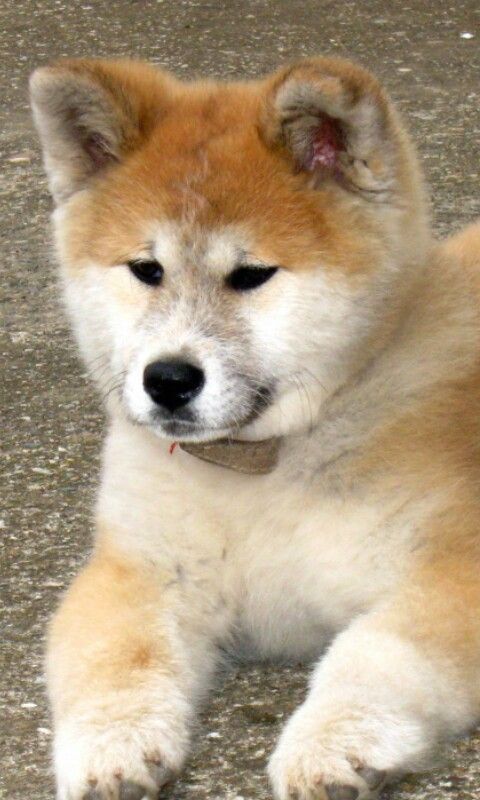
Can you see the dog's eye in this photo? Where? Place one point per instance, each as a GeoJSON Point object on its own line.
{"type": "Point", "coordinates": [244, 278]}
{"type": "Point", "coordinates": [147, 271]}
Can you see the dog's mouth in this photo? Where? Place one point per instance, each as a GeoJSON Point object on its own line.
{"type": "Point", "coordinates": [184, 431]}
{"type": "Point", "coordinates": [185, 426]}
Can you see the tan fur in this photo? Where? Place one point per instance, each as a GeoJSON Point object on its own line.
{"type": "Point", "coordinates": [367, 531]}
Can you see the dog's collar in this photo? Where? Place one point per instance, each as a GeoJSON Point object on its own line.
{"type": "Point", "coordinates": [252, 458]}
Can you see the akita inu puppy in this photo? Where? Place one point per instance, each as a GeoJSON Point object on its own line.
{"type": "Point", "coordinates": [251, 275]}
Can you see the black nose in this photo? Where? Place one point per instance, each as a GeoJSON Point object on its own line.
{"type": "Point", "coordinates": [172, 383]}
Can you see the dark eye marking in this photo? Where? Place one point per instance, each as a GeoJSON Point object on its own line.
{"type": "Point", "coordinates": [242, 279]}
{"type": "Point", "coordinates": [146, 270]}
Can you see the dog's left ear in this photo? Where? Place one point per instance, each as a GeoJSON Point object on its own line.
{"type": "Point", "coordinates": [335, 121]}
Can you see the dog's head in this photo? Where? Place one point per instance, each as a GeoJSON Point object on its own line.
{"type": "Point", "coordinates": [232, 253]}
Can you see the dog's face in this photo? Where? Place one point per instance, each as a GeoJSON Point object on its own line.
{"type": "Point", "coordinates": [231, 253]}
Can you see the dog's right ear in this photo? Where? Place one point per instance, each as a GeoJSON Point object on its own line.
{"type": "Point", "coordinates": [91, 113]}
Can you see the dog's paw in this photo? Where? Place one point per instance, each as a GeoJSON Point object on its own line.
{"type": "Point", "coordinates": [307, 777]}
{"type": "Point", "coordinates": [126, 759]}
{"type": "Point", "coordinates": [331, 761]}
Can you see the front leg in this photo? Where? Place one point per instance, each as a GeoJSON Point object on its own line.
{"type": "Point", "coordinates": [397, 682]}
{"type": "Point", "coordinates": [123, 680]}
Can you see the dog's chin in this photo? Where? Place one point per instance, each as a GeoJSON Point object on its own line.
{"type": "Point", "coordinates": [253, 430]}
{"type": "Point", "coordinates": [187, 431]}
{"type": "Point", "coordinates": [178, 431]}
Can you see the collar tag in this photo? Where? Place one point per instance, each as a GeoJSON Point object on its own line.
{"type": "Point", "coordinates": [251, 458]}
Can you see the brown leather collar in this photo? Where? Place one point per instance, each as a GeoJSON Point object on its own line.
{"type": "Point", "coordinates": [252, 458]}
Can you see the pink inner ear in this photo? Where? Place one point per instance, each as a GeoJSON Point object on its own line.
{"type": "Point", "coordinates": [326, 145]}
{"type": "Point", "coordinates": [97, 149]}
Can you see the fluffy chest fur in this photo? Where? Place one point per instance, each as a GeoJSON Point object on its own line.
{"type": "Point", "coordinates": [284, 559]}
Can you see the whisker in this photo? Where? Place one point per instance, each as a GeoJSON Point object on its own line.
{"type": "Point", "coordinates": [113, 388]}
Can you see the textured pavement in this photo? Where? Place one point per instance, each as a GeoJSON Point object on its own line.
{"type": "Point", "coordinates": [428, 55]}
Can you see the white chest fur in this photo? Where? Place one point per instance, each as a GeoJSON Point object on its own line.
{"type": "Point", "coordinates": [279, 561]}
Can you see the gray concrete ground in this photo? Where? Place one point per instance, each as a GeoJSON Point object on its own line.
{"type": "Point", "coordinates": [427, 52]}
